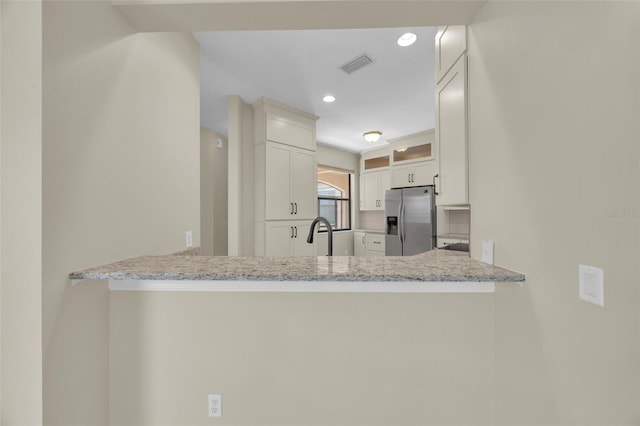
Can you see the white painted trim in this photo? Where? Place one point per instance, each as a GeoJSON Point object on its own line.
{"type": "Point", "coordinates": [303, 286]}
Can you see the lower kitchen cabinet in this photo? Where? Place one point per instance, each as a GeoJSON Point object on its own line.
{"type": "Point", "coordinates": [368, 244]}
{"type": "Point", "coordinates": [359, 243]}
{"type": "Point", "coordinates": [375, 244]}
{"type": "Point", "coordinates": [288, 238]}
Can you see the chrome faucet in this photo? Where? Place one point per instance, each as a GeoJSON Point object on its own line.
{"type": "Point", "coordinates": [329, 229]}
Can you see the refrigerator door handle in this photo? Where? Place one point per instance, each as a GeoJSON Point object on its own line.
{"type": "Point", "coordinates": [401, 223]}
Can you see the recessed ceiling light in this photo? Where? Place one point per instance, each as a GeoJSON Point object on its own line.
{"type": "Point", "coordinates": [407, 39]}
{"type": "Point", "coordinates": [329, 98]}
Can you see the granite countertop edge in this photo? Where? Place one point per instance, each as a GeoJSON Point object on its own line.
{"type": "Point", "coordinates": [434, 266]}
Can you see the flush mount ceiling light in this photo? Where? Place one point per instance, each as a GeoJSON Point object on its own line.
{"type": "Point", "coordinates": [372, 136]}
{"type": "Point", "coordinates": [329, 98]}
{"type": "Point", "coordinates": [407, 39]}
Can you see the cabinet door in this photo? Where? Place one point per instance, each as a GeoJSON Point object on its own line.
{"type": "Point", "coordinates": [290, 132]}
{"type": "Point", "coordinates": [384, 183]}
{"type": "Point", "coordinates": [451, 43]}
{"type": "Point", "coordinates": [370, 191]}
{"type": "Point", "coordinates": [300, 245]}
{"type": "Point", "coordinates": [279, 236]}
{"type": "Point", "coordinates": [361, 192]}
{"type": "Point", "coordinates": [375, 244]}
{"type": "Point", "coordinates": [423, 173]}
{"type": "Point", "coordinates": [401, 176]}
{"type": "Point", "coordinates": [278, 182]}
{"type": "Point", "coordinates": [359, 243]}
{"type": "Point", "coordinates": [451, 134]}
{"type": "Point", "coordinates": [304, 184]}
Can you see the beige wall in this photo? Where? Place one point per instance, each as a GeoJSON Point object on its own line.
{"type": "Point", "coordinates": [302, 359]}
{"type": "Point", "coordinates": [241, 180]}
{"type": "Point", "coordinates": [121, 179]}
{"type": "Point", "coordinates": [21, 212]}
{"type": "Point", "coordinates": [213, 193]}
{"type": "Point", "coordinates": [554, 143]}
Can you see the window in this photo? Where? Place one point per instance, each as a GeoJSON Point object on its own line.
{"type": "Point", "coordinates": [334, 197]}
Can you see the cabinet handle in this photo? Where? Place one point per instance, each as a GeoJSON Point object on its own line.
{"type": "Point", "coordinates": [376, 242]}
{"type": "Point", "coordinates": [409, 178]}
{"type": "Point", "coordinates": [434, 183]}
{"type": "Point", "coordinates": [291, 228]}
{"type": "Point", "coordinates": [295, 206]}
{"type": "Point", "coordinates": [291, 208]}
{"type": "Point", "coordinates": [413, 178]}
{"type": "Point", "coordinates": [296, 231]}
{"type": "Point", "coordinates": [363, 240]}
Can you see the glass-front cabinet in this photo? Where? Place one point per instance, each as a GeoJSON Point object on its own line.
{"type": "Point", "coordinates": [374, 178]}
{"type": "Point", "coordinates": [413, 160]}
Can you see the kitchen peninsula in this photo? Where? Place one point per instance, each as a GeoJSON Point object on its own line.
{"type": "Point", "coordinates": [436, 271]}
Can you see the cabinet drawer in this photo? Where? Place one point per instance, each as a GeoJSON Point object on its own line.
{"type": "Point", "coordinates": [375, 242]}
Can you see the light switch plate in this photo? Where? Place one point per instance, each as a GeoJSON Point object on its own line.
{"type": "Point", "coordinates": [487, 251]}
{"type": "Point", "coordinates": [591, 284]}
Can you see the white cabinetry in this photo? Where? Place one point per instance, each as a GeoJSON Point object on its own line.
{"type": "Point", "coordinates": [451, 120]}
{"type": "Point", "coordinates": [413, 160]}
{"type": "Point", "coordinates": [417, 174]}
{"type": "Point", "coordinates": [359, 243]}
{"type": "Point", "coordinates": [288, 238]}
{"type": "Point", "coordinates": [368, 244]}
{"type": "Point", "coordinates": [451, 44]}
{"type": "Point", "coordinates": [374, 178]}
{"type": "Point", "coordinates": [374, 184]}
{"type": "Point", "coordinates": [291, 188]}
{"type": "Point", "coordinates": [374, 244]}
{"type": "Point", "coordinates": [285, 179]}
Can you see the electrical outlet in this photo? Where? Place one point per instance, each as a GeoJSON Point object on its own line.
{"type": "Point", "coordinates": [189, 236]}
{"type": "Point", "coordinates": [591, 284]}
{"type": "Point", "coordinates": [215, 405]}
{"type": "Point", "coordinates": [487, 251]}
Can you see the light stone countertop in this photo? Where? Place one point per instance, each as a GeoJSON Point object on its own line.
{"type": "Point", "coordinates": [433, 266]}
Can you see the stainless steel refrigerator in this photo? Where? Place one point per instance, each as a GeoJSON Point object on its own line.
{"type": "Point", "coordinates": [410, 218]}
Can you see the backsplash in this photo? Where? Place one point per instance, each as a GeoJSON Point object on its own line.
{"type": "Point", "coordinates": [372, 220]}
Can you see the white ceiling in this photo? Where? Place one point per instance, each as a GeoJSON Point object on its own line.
{"type": "Point", "coordinates": [394, 94]}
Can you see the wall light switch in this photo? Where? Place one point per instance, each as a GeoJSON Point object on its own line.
{"type": "Point", "coordinates": [487, 251]}
{"type": "Point", "coordinates": [591, 284]}
{"type": "Point", "coordinates": [189, 238]}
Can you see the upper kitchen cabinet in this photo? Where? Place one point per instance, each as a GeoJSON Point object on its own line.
{"type": "Point", "coordinates": [452, 184]}
{"type": "Point", "coordinates": [413, 160]}
{"type": "Point", "coordinates": [374, 178]}
{"type": "Point", "coordinates": [373, 186]}
{"type": "Point", "coordinates": [451, 44]}
{"type": "Point", "coordinates": [290, 182]}
{"type": "Point", "coordinates": [280, 123]}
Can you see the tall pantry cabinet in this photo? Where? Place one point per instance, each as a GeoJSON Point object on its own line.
{"type": "Point", "coordinates": [285, 179]}
{"type": "Point", "coordinates": [452, 185]}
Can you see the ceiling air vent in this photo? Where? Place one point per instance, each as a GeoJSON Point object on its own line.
{"type": "Point", "coordinates": [356, 63]}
